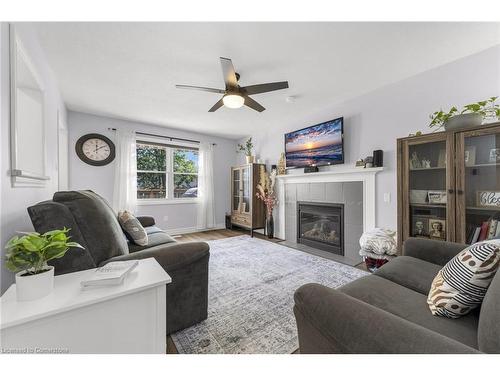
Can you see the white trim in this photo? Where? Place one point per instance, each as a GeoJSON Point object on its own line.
{"type": "Point", "coordinates": [155, 202]}
{"type": "Point", "coordinates": [177, 231]}
{"type": "Point", "coordinates": [342, 174]}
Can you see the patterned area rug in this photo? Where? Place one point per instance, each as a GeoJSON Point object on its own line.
{"type": "Point", "coordinates": [250, 299]}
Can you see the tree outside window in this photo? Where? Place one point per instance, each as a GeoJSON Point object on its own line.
{"type": "Point", "coordinates": [165, 172]}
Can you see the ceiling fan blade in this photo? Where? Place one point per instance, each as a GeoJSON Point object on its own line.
{"type": "Point", "coordinates": [216, 106]}
{"type": "Point", "coordinates": [207, 89]}
{"type": "Point", "coordinates": [228, 73]}
{"type": "Point", "coordinates": [249, 102]}
{"type": "Point", "coordinates": [265, 87]}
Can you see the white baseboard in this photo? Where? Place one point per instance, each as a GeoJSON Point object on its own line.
{"type": "Point", "coordinates": [176, 231]}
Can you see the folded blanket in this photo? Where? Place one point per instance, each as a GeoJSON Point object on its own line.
{"type": "Point", "coordinates": [378, 241]}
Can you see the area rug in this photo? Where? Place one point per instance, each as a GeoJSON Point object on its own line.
{"type": "Point", "coordinates": [250, 298]}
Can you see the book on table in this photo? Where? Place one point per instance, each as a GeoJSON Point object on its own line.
{"type": "Point", "coordinates": [112, 273]}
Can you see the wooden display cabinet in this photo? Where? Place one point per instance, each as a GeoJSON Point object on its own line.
{"type": "Point", "coordinates": [441, 177]}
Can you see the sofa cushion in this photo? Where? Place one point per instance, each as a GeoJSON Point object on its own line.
{"type": "Point", "coordinates": [462, 283]}
{"type": "Point", "coordinates": [156, 237]}
{"type": "Point", "coordinates": [489, 328]}
{"type": "Point", "coordinates": [97, 222]}
{"type": "Point", "coordinates": [410, 272]}
{"type": "Point", "coordinates": [411, 305]}
{"type": "Point", "coordinates": [133, 228]}
{"type": "Point", "coordinates": [49, 215]}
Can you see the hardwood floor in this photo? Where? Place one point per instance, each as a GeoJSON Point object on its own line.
{"type": "Point", "coordinates": [219, 234]}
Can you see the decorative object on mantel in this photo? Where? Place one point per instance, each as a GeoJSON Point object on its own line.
{"type": "Point", "coordinates": [360, 163]}
{"type": "Point", "coordinates": [311, 169]}
{"type": "Point", "coordinates": [378, 158]}
{"type": "Point", "coordinates": [369, 162]}
{"type": "Point", "coordinates": [282, 164]}
{"type": "Point", "coordinates": [247, 149]}
{"type": "Point", "coordinates": [28, 256]}
{"type": "Point", "coordinates": [378, 246]}
{"type": "Point", "coordinates": [266, 193]}
{"type": "Point", "coordinates": [471, 115]}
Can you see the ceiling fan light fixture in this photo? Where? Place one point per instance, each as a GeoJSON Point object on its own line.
{"type": "Point", "coordinates": [233, 100]}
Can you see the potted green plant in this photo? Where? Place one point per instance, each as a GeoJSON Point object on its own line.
{"type": "Point", "coordinates": [28, 256]}
{"type": "Point", "coordinates": [471, 115]}
{"type": "Point", "coordinates": [247, 149]}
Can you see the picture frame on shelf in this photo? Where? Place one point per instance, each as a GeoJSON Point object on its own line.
{"type": "Point", "coordinates": [418, 196]}
{"type": "Point", "coordinates": [437, 229]}
{"type": "Point", "coordinates": [437, 197]}
{"type": "Point", "coordinates": [470, 156]}
{"type": "Point", "coordinates": [488, 199]}
{"type": "Point", "coordinates": [495, 155]}
{"type": "Point", "coordinates": [420, 227]}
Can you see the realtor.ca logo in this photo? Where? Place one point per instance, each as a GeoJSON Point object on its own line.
{"type": "Point", "coordinates": [34, 350]}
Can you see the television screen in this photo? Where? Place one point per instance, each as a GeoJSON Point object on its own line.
{"type": "Point", "coordinates": [316, 145]}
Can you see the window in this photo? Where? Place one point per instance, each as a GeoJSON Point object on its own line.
{"type": "Point", "coordinates": [166, 171]}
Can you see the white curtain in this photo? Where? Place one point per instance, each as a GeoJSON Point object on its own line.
{"type": "Point", "coordinates": [206, 209]}
{"type": "Point", "coordinates": [125, 185]}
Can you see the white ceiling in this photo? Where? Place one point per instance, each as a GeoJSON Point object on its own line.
{"type": "Point", "coordinates": [128, 70]}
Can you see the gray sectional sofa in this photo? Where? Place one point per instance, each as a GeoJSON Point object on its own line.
{"type": "Point", "coordinates": [95, 226]}
{"type": "Point", "coordinates": [387, 312]}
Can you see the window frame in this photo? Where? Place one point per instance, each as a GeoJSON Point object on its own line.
{"type": "Point", "coordinates": [170, 146]}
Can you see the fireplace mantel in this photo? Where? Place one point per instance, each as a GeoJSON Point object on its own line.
{"type": "Point", "coordinates": [336, 174]}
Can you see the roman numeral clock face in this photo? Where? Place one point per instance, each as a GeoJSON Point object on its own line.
{"type": "Point", "coordinates": [95, 149]}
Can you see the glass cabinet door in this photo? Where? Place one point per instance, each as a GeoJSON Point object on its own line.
{"type": "Point", "coordinates": [478, 185]}
{"type": "Point", "coordinates": [236, 196]}
{"type": "Point", "coordinates": [430, 198]}
{"type": "Point", "coordinates": [246, 191]}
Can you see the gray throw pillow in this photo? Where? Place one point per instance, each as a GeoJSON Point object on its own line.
{"type": "Point", "coordinates": [133, 228]}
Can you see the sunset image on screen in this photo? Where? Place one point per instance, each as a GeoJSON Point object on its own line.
{"type": "Point", "coordinates": [317, 145]}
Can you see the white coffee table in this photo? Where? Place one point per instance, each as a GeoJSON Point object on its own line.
{"type": "Point", "coordinates": [128, 318]}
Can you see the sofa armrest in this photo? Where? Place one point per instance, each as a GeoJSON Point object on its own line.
{"type": "Point", "coordinates": [433, 251]}
{"type": "Point", "coordinates": [146, 221]}
{"type": "Point", "coordinates": [171, 256]}
{"type": "Point", "coordinates": [331, 321]}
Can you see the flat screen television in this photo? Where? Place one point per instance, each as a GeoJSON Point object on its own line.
{"type": "Point", "coordinates": [317, 145]}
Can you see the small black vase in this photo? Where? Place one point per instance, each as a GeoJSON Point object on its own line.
{"type": "Point", "coordinates": [270, 226]}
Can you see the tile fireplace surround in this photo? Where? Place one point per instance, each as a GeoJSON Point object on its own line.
{"type": "Point", "coordinates": [351, 186]}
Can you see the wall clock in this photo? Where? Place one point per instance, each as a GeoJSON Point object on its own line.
{"type": "Point", "coordinates": [95, 149]}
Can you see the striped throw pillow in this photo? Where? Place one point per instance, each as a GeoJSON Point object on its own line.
{"type": "Point", "coordinates": [461, 284]}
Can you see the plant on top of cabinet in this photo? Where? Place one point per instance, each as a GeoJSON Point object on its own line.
{"type": "Point", "coordinates": [471, 115]}
{"type": "Point", "coordinates": [247, 149]}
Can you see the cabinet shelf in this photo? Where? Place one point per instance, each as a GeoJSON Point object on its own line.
{"type": "Point", "coordinates": [483, 165]}
{"type": "Point", "coordinates": [427, 169]}
{"type": "Point", "coordinates": [428, 205]}
{"type": "Point", "coordinates": [475, 208]}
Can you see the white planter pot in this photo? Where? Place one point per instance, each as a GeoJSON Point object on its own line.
{"type": "Point", "coordinates": [35, 286]}
{"type": "Point", "coordinates": [463, 121]}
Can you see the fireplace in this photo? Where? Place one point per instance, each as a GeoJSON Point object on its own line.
{"type": "Point", "coordinates": [321, 225]}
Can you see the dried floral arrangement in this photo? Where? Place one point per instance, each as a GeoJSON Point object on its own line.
{"type": "Point", "coordinates": [266, 190]}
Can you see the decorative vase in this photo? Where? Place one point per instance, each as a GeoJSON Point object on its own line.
{"type": "Point", "coordinates": [270, 226]}
{"type": "Point", "coordinates": [30, 287]}
{"type": "Point", "coordinates": [463, 121]}
{"type": "Point", "coordinates": [250, 159]}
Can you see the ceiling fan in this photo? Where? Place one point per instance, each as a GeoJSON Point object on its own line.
{"type": "Point", "coordinates": [235, 96]}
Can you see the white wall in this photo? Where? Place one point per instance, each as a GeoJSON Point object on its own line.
{"type": "Point", "coordinates": [14, 201]}
{"type": "Point", "coordinates": [171, 217]}
{"type": "Point", "coordinates": [375, 120]}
